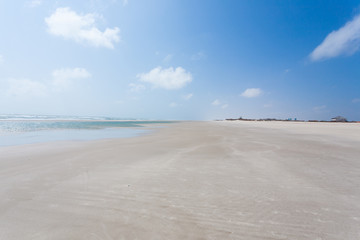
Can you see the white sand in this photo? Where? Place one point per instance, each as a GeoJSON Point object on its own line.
{"type": "Point", "coordinates": [193, 180]}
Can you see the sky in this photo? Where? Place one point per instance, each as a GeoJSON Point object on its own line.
{"type": "Point", "coordinates": [181, 59]}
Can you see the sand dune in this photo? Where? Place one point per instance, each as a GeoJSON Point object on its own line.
{"type": "Point", "coordinates": [191, 180]}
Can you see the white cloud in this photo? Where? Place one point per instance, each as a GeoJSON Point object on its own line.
{"type": "Point", "coordinates": [268, 105]}
{"type": "Point", "coordinates": [345, 41]}
{"type": "Point", "coordinates": [26, 88]}
{"type": "Point", "coordinates": [168, 58]}
{"type": "Point", "coordinates": [61, 79]}
{"type": "Point", "coordinates": [198, 56]}
{"type": "Point", "coordinates": [216, 102]}
{"type": "Point", "coordinates": [34, 3]}
{"type": "Point", "coordinates": [81, 28]}
{"type": "Point", "coordinates": [251, 92]}
{"type": "Point", "coordinates": [136, 87]}
{"type": "Point", "coordinates": [169, 78]}
{"type": "Point", "coordinates": [64, 77]}
{"type": "Point", "coordinates": [173, 104]}
{"type": "Point", "coordinates": [287, 70]}
{"type": "Point", "coordinates": [188, 96]}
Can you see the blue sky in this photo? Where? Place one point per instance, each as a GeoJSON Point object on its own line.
{"type": "Point", "coordinates": [181, 59]}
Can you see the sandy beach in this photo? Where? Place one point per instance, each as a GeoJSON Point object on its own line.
{"type": "Point", "coordinates": [188, 180]}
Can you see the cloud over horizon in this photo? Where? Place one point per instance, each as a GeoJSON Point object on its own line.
{"type": "Point", "coordinates": [218, 103]}
{"type": "Point", "coordinates": [25, 88]}
{"type": "Point", "coordinates": [168, 78]}
{"type": "Point", "coordinates": [64, 77]}
{"type": "Point", "coordinates": [68, 24]}
{"type": "Point", "coordinates": [344, 41]}
{"type": "Point", "coordinates": [251, 93]}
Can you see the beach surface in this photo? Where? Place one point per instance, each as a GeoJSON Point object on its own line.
{"type": "Point", "coordinates": [188, 180]}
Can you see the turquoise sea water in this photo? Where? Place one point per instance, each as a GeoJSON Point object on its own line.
{"type": "Point", "coordinates": [27, 129]}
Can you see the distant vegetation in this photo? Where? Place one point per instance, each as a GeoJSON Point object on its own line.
{"type": "Point", "coordinates": [334, 119]}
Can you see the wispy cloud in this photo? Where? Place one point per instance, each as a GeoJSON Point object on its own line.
{"type": "Point", "coordinates": [173, 104]}
{"type": "Point", "coordinates": [81, 28]}
{"type": "Point", "coordinates": [224, 106]}
{"type": "Point", "coordinates": [168, 58]}
{"type": "Point", "coordinates": [216, 102]}
{"type": "Point", "coordinates": [198, 56]}
{"type": "Point", "coordinates": [344, 41]}
{"type": "Point", "coordinates": [63, 78]}
{"type": "Point", "coordinates": [268, 105]}
{"type": "Point", "coordinates": [125, 2]}
{"type": "Point", "coordinates": [134, 87]}
{"type": "Point", "coordinates": [26, 88]}
{"type": "Point", "coordinates": [168, 78]}
{"type": "Point", "coordinates": [33, 3]}
{"type": "Point", "coordinates": [356, 100]}
{"type": "Point", "coordinates": [188, 96]}
{"type": "Point", "coordinates": [251, 93]}
{"type": "Point", "coordinates": [287, 70]}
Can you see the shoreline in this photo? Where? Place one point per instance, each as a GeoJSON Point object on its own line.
{"type": "Point", "coordinates": [191, 180]}
{"type": "Point", "coordinates": [13, 133]}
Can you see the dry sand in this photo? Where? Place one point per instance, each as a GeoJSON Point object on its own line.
{"type": "Point", "coordinates": [192, 180]}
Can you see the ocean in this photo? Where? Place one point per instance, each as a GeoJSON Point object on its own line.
{"type": "Point", "coordinates": [28, 129]}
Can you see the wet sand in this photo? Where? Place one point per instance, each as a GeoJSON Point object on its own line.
{"type": "Point", "coordinates": [191, 180]}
